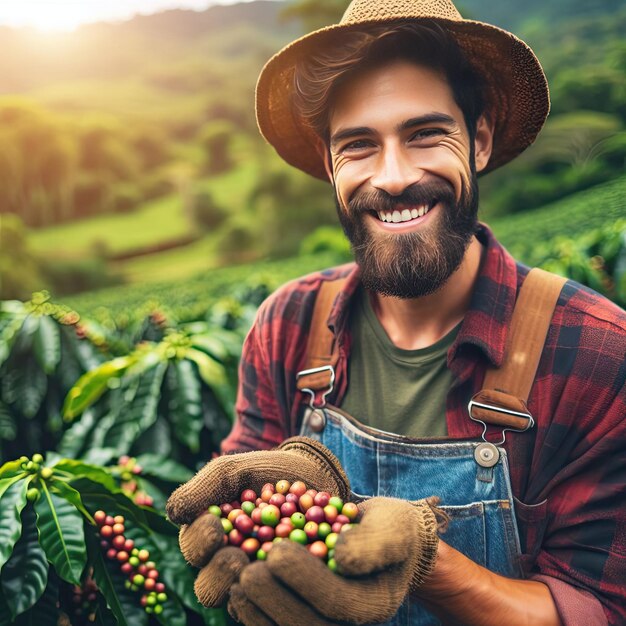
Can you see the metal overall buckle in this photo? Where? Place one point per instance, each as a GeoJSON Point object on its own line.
{"type": "Point", "coordinates": [487, 454]}
{"type": "Point", "coordinates": [311, 392]}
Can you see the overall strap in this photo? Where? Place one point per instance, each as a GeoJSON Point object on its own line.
{"type": "Point", "coordinates": [504, 396]}
{"type": "Point", "coordinates": [321, 350]}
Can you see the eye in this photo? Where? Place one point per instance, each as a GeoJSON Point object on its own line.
{"type": "Point", "coordinates": [426, 134]}
{"type": "Point", "coordinates": [358, 145]}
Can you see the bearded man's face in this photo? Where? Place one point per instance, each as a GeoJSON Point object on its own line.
{"type": "Point", "coordinates": [402, 164]}
{"type": "Point", "coordinates": [417, 262]}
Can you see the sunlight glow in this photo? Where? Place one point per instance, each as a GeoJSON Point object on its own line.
{"type": "Point", "coordinates": [67, 15]}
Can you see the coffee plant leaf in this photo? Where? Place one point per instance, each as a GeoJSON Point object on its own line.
{"type": "Point", "coordinates": [25, 575]}
{"type": "Point", "coordinates": [10, 325]}
{"type": "Point", "coordinates": [173, 613]}
{"type": "Point", "coordinates": [12, 468]}
{"type": "Point", "coordinates": [91, 385]}
{"type": "Point", "coordinates": [31, 388]}
{"type": "Point", "coordinates": [214, 375]}
{"type": "Point", "coordinates": [70, 494]}
{"type": "Point", "coordinates": [185, 403]}
{"type": "Point", "coordinates": [8, 426]}
{"type": "Point", "coordinates": [12, 502]}
{"type": "Point", "coordinates": [164, 469]}
{"type": "Point", "coordinates": [139, 412]}
{"type": "Point", "coordinates": [45, 611]}
{"type": "Point", "coordinates": [47, 344]}
{"type": "Point", "coordinates": [123, 604]}
{"type": "Point", "coordinates": [61, 534]}
{"type": "Point", "coordinates": [79, 469]}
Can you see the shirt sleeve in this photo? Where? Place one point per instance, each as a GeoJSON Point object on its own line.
{"type": "Point", "coordinates": [583, 554]}
{"type": "Point", "coordinates": [259, 424]}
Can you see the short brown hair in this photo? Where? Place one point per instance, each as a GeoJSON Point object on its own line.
{"type": "Point", "coordinates": [425, 43]}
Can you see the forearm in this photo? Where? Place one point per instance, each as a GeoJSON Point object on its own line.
{"type": "Point", "coordinates": [461, 592]}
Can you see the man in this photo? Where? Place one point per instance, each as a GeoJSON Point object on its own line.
{"type": "Point", "coordinates": [401, 106]}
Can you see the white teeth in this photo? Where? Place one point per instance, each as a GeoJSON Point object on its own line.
{"type": "Point", "coordinates": [404, 216]}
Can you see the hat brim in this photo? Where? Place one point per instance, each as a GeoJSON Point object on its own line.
{"type": "Point", "coordinates": [516, 91]}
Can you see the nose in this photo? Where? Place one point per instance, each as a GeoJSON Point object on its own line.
{"type": "Point", "coordinates": [395, 171]}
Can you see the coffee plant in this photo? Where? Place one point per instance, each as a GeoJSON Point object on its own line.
{"type": "Point", "coordinates": [76, 549]}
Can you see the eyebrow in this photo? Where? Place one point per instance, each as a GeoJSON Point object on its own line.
{"type": "Point", "coordinates": [359, 131]}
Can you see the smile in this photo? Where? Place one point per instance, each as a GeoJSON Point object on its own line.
{"type": "Point", "coordinates": [405, 215]}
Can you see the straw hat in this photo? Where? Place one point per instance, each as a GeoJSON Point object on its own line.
{"type": "Point", "coordinates": [516, 91]}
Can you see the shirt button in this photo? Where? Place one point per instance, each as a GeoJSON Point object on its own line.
{"type": "Point", "coordinates": [317, 421]}
{"type": "Point", "coordinates": [486, 454]}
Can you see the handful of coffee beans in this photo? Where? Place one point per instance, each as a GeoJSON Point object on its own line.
{"type": "Point", "coordinates": [286, 511]}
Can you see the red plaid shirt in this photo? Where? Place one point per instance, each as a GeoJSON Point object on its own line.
{"type": "Point", "coordinates": [568, 473]}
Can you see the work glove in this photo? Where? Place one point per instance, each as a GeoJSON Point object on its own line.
{"type": "Point", "coordinates": [201, 537]}
{"type": "Point", "coordinates": [384, 557]}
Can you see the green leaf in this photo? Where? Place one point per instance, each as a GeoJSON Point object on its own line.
{"type": "Point", "coordinates": [173, 613]}
{"type": "Point", "coordinates": [45, 612]}
{"type": "Point", "coordinates": [214, 375]}
{"type": "Point", "coordinates": [31, 387]}
{"type": "Point", "coordinates": [165, 469]}
{"type": "Point", "coordinates": [185, 404]}
{"type": "Point", "coordinates": [91, 385]}
{"type": "Point", "coordinates": [25, 575]}
{"type": "Point", "coordinates": [71, 495]}
{"type": "Point", "coordinates": [11, 468]}
{"type": "Point", "coordinates": [61, 534]}
{"type": "Point", "coordinates": [9, 333]}
{"type": "Point", "coordinates": [138, 415]}
{"type": "Point", "coordinates": [47, 344]}
{"type": "Point", "coordinates": [12, 501]}
{"type": "Point", "coordinates": [79, 469]}
{"type": "Point", "coordinates": [122, 603]}
{"type": "Point", "coordinates": [8, 427]}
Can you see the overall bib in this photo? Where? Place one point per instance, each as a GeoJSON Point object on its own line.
{"type": "Point", "coordinates": [471, 478]}
{"type": "Point", "coordinates": [478, 499]}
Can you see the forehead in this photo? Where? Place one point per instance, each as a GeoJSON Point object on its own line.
{"type": "Point", "coordinates": [394, 91]}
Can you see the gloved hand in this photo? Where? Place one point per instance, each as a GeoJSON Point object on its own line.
{"type": "Point", "coordinates": [222, 480]}
{"type": "Point", "coordinates": [384, 557]}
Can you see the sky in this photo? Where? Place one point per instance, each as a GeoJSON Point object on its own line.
{"type": "Point", "coordinates": [66, 15]}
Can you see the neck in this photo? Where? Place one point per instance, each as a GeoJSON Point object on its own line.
{"type": "Point", "coordinates": [417, 323]}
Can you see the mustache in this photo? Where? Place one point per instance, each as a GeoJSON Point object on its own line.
{"type": "Point", "coordinates": [416, 194]}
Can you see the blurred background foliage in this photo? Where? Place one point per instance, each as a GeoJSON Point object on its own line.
{"type": "Point", "coordinates": [129, 152]}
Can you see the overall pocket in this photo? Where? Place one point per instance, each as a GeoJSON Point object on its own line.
{"type": "Point", "coordinates": [532, 520]}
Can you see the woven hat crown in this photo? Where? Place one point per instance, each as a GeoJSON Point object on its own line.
{"type": "Point", "coordinates": [360, 11]}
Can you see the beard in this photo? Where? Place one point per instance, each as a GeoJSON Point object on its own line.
{"type": "Point", "coordinates": [414, 264]}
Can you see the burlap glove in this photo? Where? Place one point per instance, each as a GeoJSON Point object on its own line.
{"type": "Point", "coordinates": [384, 557]}
{"type": "Point", "coordinates": [222, 480]}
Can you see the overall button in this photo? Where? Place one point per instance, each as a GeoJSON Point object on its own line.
{"type": "Point", "coordinates": [317, 421]}
{"type": "Point", "coordinates": [486, 454]}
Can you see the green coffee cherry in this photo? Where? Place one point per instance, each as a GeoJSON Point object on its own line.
{"type": "Point", "coordinates": [46, 473]}
{"type": "Point", "coordinates": [37, 458]}
{"type": "Point", "coordinates": [32, 495]}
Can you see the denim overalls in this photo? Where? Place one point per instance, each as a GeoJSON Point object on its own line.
{"type": "Point", "coordinates": [477, 498]}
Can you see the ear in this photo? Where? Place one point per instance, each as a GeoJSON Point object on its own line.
{"type": "Point", "coordinates": [324, 152]}
{"type": "Point", "coordinates": [483, 142]}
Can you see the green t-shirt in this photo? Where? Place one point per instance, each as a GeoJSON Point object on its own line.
{"type": "Point", "coordinates": [395, 390]}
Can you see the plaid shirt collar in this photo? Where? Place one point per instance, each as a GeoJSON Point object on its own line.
{"type": "Point", "coordinates": [486, 322]}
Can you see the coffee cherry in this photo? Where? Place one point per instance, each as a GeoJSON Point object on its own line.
{"type": "Point", "coordinates": [288, 509]}
{"type": "Point", "coordinates": [311, 530]}
{"type": "Point", "coordinates": [248, 495]}
{"type": "Point", "coordinates": [306, 502]}
{"type": "Point", "coordinates": [118, 542]}
{"type": "Point", "coordinates": [138, 580]}
{"type": "Point", "coordinates": [37, 458]}
{"type": "Point", "coordinates": [256, 515]}
{"type": "Point", "coordinates": [109, 520]}
{"type": "Point", "coordinates": [270, 515]}
{"type": "Point", "coordinates": [129, 544]}
{"type": "Point", "coordinates": [336, 527]}
{"type": "Point", "coordinates": [265, 533]}
{"type": "Point", "coordinates": [215, 510]}
{"type": "Point", "coordinates": [337, 503]}
{"type": "Point", "coordinates": [106, 531]}
{"type": "Point", "coordinates": [266, 495]}
{"type": "Point", "coordinates": [278, 499]}
{"type": "Point", "coordinates": [159, 588]}
{"type": "Point", "coordinates": [331, 540]}
{"type": "Point", "coordinates": [330, 513]}
{"type": "Point", "coordinates": [247, 507]}
{"type": "Point", "coordinates": [299, 520]}
{"type": "Point", "coordinates": [298, 535]}
{"type": "Point", "coordinates": [268, 487]}
{"type": "Point", "coordinates": [122, 556]}
{"type": "Point", "coordinates": [322, 498]}
{"type": "Point", "coordinates": [234, 514]}
{"type": "Point", "coordinates": [32, 495]}
{"type": "Point", "coordinates": [46, 473]}
{"type": "Point", "coordinates": [126, 568]}
{"type": "Point", "coordinates": [143, 555]}
{"type": "Point", "coordinates": [319, 549]}
{"type": "Point", "coordinates": [244, 524]}
{"type": "Point", "coordinates": [283, 486]}
{"type": "Point", "coordinates": [153, 573]}
{"type": "Point", "coordinates": [99, 517]}
{"type": "Point", "coordinates": [315, 514]}
{"type": "Point", "coordinates": [342, 519]}
{"type": "Point", "coordinates": [298, 488]}
{"type": "Point", "coordinates": [226, 509]}
{"type": "Point", "coordinates": [323, 530]}
{"type": "Point", "coordinates": [161, 597]}
{"type": "Point", "coordinates": [292, 497]}
{"type": "Point", "coordinates": [250, 546]}
{"type": "Point", "coordinates": [227, 525]}
{"type": "Point", "coordinates": [283, 530]}
{"type": "Point", "coordinates": [111, 553]}
{"type": "Point", "coordinates": [134, 561]}
{"type": "Point", "coordinates": [312, 493]}
{"type": "Point", "coordinates": [235, 537]}
{"type": "Point", "coordinates": [118, 529]}
{"type": "Point", "coordinates": [350, 510]}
